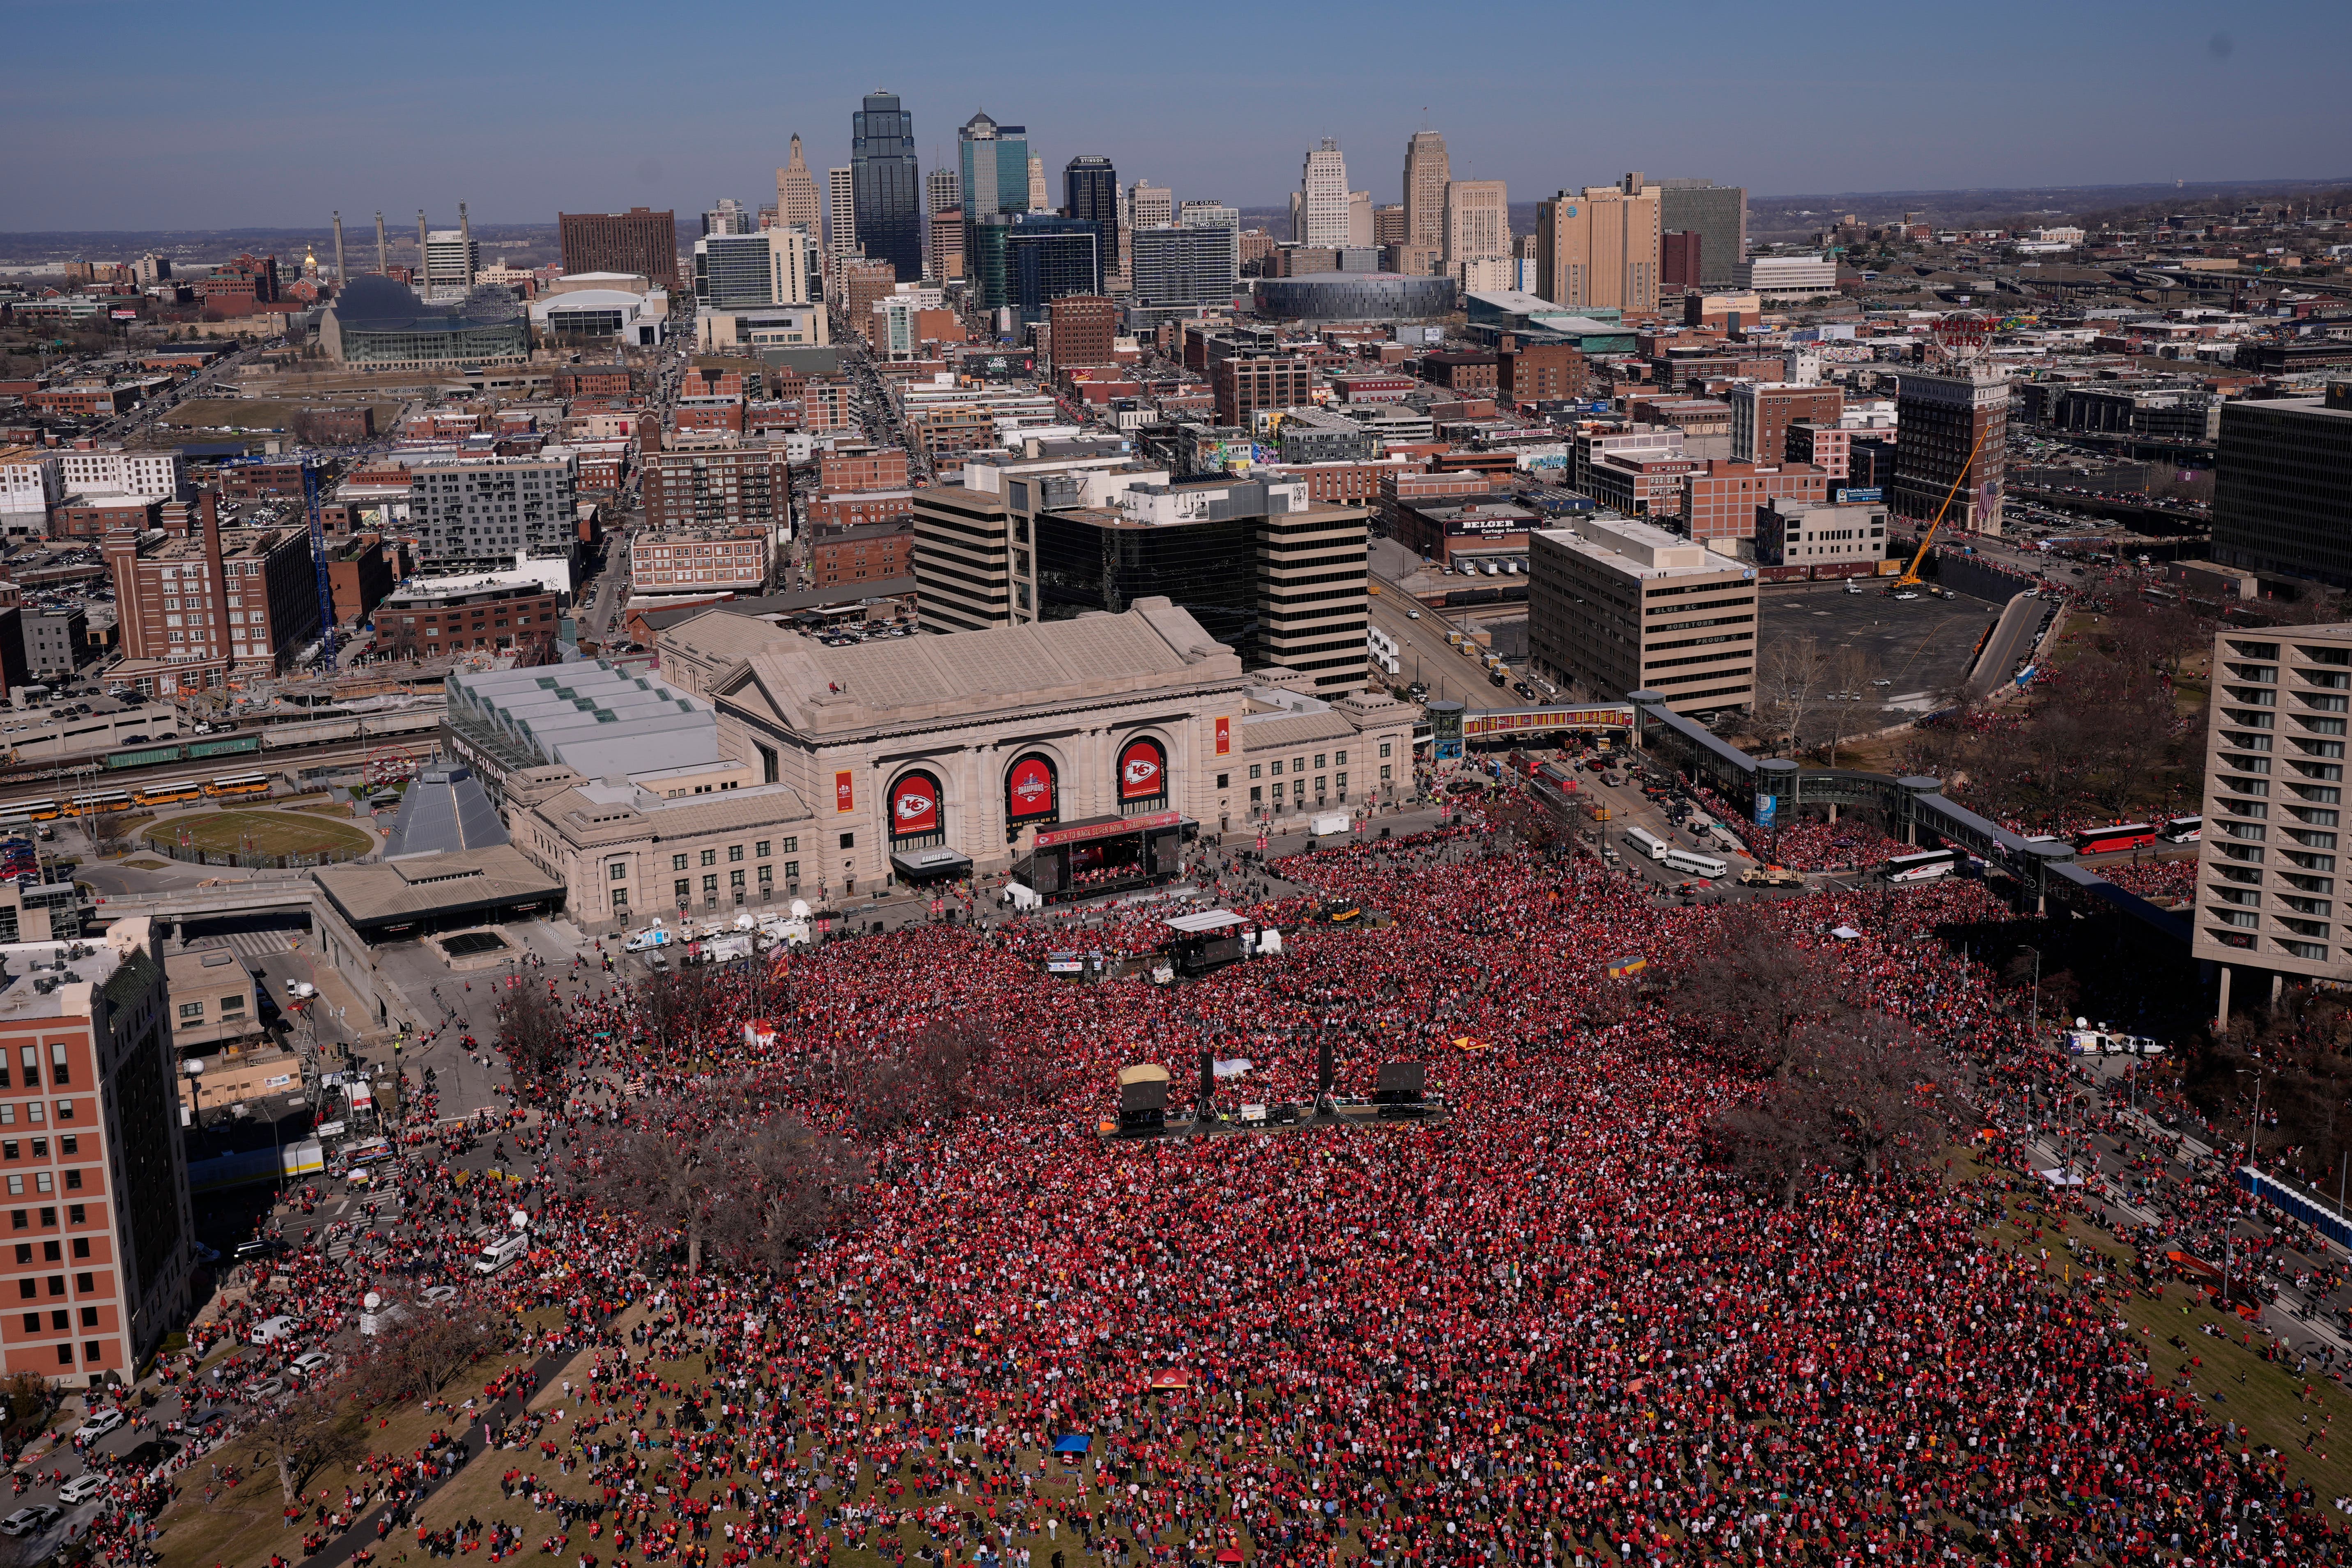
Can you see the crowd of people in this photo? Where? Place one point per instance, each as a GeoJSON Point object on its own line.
{"type": "Point", "coordinates": [1552, 1328]}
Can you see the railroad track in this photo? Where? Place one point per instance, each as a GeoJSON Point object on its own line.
{"type": "Point", "coordinates": [18, 785]}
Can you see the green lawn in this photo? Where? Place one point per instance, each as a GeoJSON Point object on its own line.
{"type": "Point", "coordinates": [262, 833]}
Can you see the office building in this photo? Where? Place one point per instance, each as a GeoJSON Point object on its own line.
{"type": "Point", "coordinates": [1084, 326]}
{"type": "Point", "coordinates": [993, 163]}
{"type": "Point", "coordinates": [798, 204]}
{"type": "Point", "coordinates": [2269, 856]}
{"type": "Point", "coordinates": [1427, 171]}
{"type": "Point", "coordinates": [104, 1232]}
{"type": "Point", "coordinates": [2283, 486]}
{"type": "Point", "coordinates": [1182, 268]}
{"type": "Point", "coordinates": [640, 241]}
{"type": "Point", "coordinates": [1245, 385]}
{"type": "Point", "coordinates": [1477, 225]}
{"type": "Point", "coordinates": [1387, 228]}
{"type": "Point", "coordinates": [729, 216]}
{"type": "Point", "coordinates": [1090, 194]}
{"type": "Point", "coordinates": [472, 612]}
{"type": "Point", "coordinates": [1150, 205]}
{"type": "Point", "coordinates": [1209, 215]}
{"type": "Point", "coordinates": [975, 562]}
{"type": "Point", "coordinates": [1317, 435]}
{"type": "Point", "coordinates": [1599, 248]}
{"type": "Point", "coordinates": [1789, 277]}
{"type": "Point", "coordinates": [1717, 216]}
{"type": "Point", "coordinates": [452, 257]}
{"type": "Point", "coordinates": [1616, 607]}
{"type": "Point", "coordinates": [1025, 261]}
{"type": "Point", "coordinates": [1323, 197]}
{"type": "Point", "coordinates": [743, 271]}
{"type": "Point", "coordinates": [1719, 497]}
{"type": "Point", "coordinates": [1761, 413]}
{"type": "Point", "coordinates": [1952, 440]}
{"type": "Point", "coordinates": [1682, 260]}
{"type": "Point", "coordinates": [472, 513]}
{"type": "Point", "coordinates": [887, 187]}
{"type": "Point", "coordinates": [1823, 540]}
{"type": "Point", "coordinates": [55, 641]}
{"type": "Point", "coordinates": [704, 561]}
{"type": "Point", "coordinates": [942, 189]}
{"type": "Point", "coordinates": [720, 481]}
{"type": "Point", "coordinates": [841, 218]}
{"type": "Point", "coordinates": [943, 247]}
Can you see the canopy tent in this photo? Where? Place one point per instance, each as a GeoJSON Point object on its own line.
{"type": "Point", "coordinates": [1206, 920]}
{"type": "Point", "coordinates": [1073, 1442]}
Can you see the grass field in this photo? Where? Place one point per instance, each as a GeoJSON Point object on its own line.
{"type": "Point", "coordinates": [257, 413]}
{"type": "Point", "coordinates": [263, 832]}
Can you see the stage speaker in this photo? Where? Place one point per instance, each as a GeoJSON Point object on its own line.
{"type": "Point", "coordinates": [1142, 1097]}
{"type": "Point", "coordinates": [1325, 1078]}
{"type": "Point", "coordinates": [1400, 1083]}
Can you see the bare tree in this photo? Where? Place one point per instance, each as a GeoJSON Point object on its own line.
{"type": "Point", "coordinates": [1877, 1089]}
{"type": "Point", "coordinates": [666, 1165]}
{"type": "Point", "coordinates": [536, 1039]}
{"type": "Point", "coordinates": [1791, 679]}
{"type": "Point", "coordinates": [1751, 988]}
{"type": "Point", "coordinates": [309, 1429]}
{"type": "Point", "coordinates": [1850, 672]}
{"type": "Point", "coordinates": [790, 1186]}
{"type": "Point", "coordinates": [425, 1346]}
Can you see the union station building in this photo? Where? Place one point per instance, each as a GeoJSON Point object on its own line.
{"type": "Point", "coordinates": [1076, 755]}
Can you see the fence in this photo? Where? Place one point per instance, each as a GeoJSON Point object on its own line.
{"type": "Point", "coordinates": [251, 862]}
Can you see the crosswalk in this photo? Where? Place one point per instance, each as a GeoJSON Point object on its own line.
{"type": "Point", "coordinates": [253, 944]}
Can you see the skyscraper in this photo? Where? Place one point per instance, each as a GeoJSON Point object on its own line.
{"type": "Point", "coordinates": [942, 189]}
{"type": "Point", "coordinates": [1427, 171]}
{"type": "Point", "coordinates": [887, 183]}
{"type": "Point", "coordinates": [1323, 197]}
{"type": "Point", "coordinates": [943, 224]}
{"type": "Point", "coordinates": [1090, 190]}
{"type": "Point", "coordinates": [994, 161]}
{"type": "Point", "coordinates": [841, 207]}
{"type": "Point", "coordinates": [1717, 214]}
{"type": "Point", "coordinates": [1040, 199]}
{"type": "Point", "coordinates": [1027, 260]}
{"type": "Point", "coordinates": [1951, 439]}
{"type": "Point", "coordinates": [1477, 225]}
{"type": "Point", "coordinates": [1600, 246]}
{"type": "Point", "coordinates": [1150, 205]}
{"type": "Point", "coordinates": [729, 216]}
{"type": "Point", "coordinates": [797, 201]}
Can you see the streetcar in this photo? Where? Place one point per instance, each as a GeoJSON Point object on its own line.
{"type": "Point", "coordinates": [238, 784]}
{"type": "Point", "coordinates": [1925, 866]}
{"type": "Point", "coordinates": [167, 793]}
{"type": "Point", "coordinates": [2122, 836]}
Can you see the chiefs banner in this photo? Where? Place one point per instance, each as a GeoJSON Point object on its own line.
{"type": "Point", "coordinates": [914, 805]}
{"type": "Point", "coordinates": [1142, 770]}
{"type": "Point", "coordinates": [1224, 735]}
{"type": "Point", "coordinates": [845, 791]}
{"type": "Point", "coordinates": [1029, 789]}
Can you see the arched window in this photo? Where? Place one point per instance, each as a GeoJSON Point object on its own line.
{"type": "Point", "coordinates": [918, 819]}
{"type": "Point", "coordinates": [1033, 791]}
{"type": "Point", "coordinates": [1142, 776]}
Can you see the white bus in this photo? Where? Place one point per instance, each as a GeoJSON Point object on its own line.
{"type": "Point", "coordinates": [1698, 865]}
{"type": "Point", "coordinates": [1925, 867]}
{"type": "Point", "coordinates": [1649, 844]}
{"type": "Point", "coordinates": [2184, 830]}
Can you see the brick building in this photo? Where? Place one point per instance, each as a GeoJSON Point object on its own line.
{"type": "Point", "coordinates": [102, 1231]}
{"type": "Point", "coordinates": [1827, 448]}
{"type": "Point", "coordinates": [1245, 384]}
{"type": "Point", "coordinates": [572, 381]}
{"type": "Point", "coordinates": [700, 561]}
{"type": "Point", "coordinates": [870, 469]}
{"type": "Point", "coordinates": [1471, 370]}
{"type": "Point", "coordinates": [1083, 326]}
{"type": "Point", "coordinates": [480, 612]}
{"type": "Point", "coordinates": [93, 516]}
{"type": "Point", "coordinates": [1761, 414]}
{"type": "Point", "coordinates": [1719, 499]}
{"type": "Point", "coordinates": [852, 509]}
{"type": "Point", "coordinates": [640, 240]}
{"type": "Point", "coordinates": [718, 481]}
{"type": "Point", "coordinates": [1532, 373]}
{"type": "Point", "coordinates": [870, 553]}
{"type": "Point", "coordinates": [244, 599]}
{"type": "Point", "coordinates": [358, 578]}
{"type": "Point", "coordinates": [863, 281]}
{"type": "Point", "coordinates": [263, 480]}
{"type": "Point", "coordinates": [1644, 481]}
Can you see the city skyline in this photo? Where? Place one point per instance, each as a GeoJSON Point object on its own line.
{"type": "Point", "coordinates": [1883, 109]}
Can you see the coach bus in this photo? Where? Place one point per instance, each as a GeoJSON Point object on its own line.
{"type": "Point", "coordinates": [238, 784]}
{"type": "Point", "coordinates": [2123, 836]}
{"type": "Point", "coordinates": [1925, 866]}
{"type": "Point", "coordinates": [166, 794]}
{"type": "Point", "coordinates": [2184, 829]}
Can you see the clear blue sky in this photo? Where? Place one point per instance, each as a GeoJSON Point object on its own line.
{"type": "Point", "coordinates": [143, 116]}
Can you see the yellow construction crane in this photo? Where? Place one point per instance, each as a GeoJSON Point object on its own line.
{"type": "Point", "coordinates": [1910, 578]}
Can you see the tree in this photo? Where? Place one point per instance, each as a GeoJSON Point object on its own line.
{"type": "Point", "coordinates": [1791, 682]}
{"type": "Point", "coordinates": [665, 1166]}
{"type": "Point", "coordinates": [1751, 987]}
{"type": "Point", "coordinates": [1877, 1089]}
{"type": "Point", "coordinates": [422, 1349]}
{"type": "Point", "coordinates": [536, 1040]}
{"type": "Point", "coordinates": [791, 1185]}
{"type": "Point", "coordinates": [1850, 672]}
{"type": "Point", "coordinates": [309, 1429]}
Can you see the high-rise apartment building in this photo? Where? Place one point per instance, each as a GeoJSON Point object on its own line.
{"type": "Point", "coordinates": [1717, 214]}
{"type": "Point", "coordinates": [1600, 246]}
{"type": "Point", "coordinates": [2268, 860]}
{"type": "Point", "coordinates": [943, 247]}
{"type": "Point", "coordinates": [1951, 439]}
{"type": "Point", "coordinates": [478, 512]}
{"type": "Point", "coordinates": [1615, 607]}
{"type": "Point", "coordinates": [994, 161]}
{"type": "Point", "coordinates": [719, 480]}
{"type": "Point", "coordinates": [1090, 191]}
{"type": "Point", "coordinates": [640, 240]}
{"type": "Point", "coordinates": [798, 205]}
{"type": "Point", "coordinates": [888, 185]}
{"type": "Point", "coordinates": [1322, 203]}
{"type": "Point", "coordinates": [1150, 205]}
{"type": "Point", "coordinates": [771, 267]}
{"type": "Point", "coordinates": [1182, 268]}
{"type": "Point", "coordinates": [104, 1232]}
{"type": "Point", "coordinates": [2283, 486]}
{"type": "Point", "coordinates": [1427, 173]}
{"type": "Point", "coordinates": [1477, 222]}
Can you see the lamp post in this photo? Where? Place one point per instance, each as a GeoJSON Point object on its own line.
{"type": "Point", "coordinates": [2037, 979]}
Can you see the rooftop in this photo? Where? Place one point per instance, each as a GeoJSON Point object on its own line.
{"type": "Point", "coordinates": [387, 893]}
{"type": "Point", "coordinates": [593, 718]}
{"type": "Point", "coordinates": [444, 812]}
{"type": "Point", "coordinates": [57, 979]}
{"type": "Point", "coordinates": [1642, 550]}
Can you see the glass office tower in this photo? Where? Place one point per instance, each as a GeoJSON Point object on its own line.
{"type": "Point", "coordinates": [1090, 190]}
{"type": "Point", "coordinates": [995, 167]}
{"type": "Point", "coordinates": [1028, 261]}
{"type": "Point", "coordinates": [888, 190]}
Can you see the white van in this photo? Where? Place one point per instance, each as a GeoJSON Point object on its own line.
{"type": "Point", "coordinates": [1698, 865]}
{"type": "Point", "coordinates": [1649, 844]}
{"type": "Point", "coordinates": [500, 1253]}
{"type": "Point", "coordinates": [269, 1331]}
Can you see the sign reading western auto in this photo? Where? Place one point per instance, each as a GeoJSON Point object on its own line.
{"type": "Point", "coordinates": [914, 805]}
{"type": "Point", "coordinates": [1029, 789]}
{"type": "Point", "coordinates": [1508, 720]}
{"type": "Point", "coordinates": [1142, 769]}
{"type": "Point", "coordinates": [1110, 828]}
{"type": "Point", "coordinates": [845, 791]}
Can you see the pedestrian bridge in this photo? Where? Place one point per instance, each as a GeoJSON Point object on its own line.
{"type": "Point", "coordinates": [1913, 806]}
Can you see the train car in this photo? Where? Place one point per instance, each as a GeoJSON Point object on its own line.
{"type": "Point", "coordinates": [166, 794]}
{"type": "Point", "coordinates": [224, 746]}
{"type": "Point", "coordinates": [144, 757]}
{"type": "Point", "coordinates": [238, 784]}
{"type": "Point", "coordinates": [98, 804]}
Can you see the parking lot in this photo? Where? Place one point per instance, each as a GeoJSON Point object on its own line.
{"type": "Point", "coordinates": [1919, 646]}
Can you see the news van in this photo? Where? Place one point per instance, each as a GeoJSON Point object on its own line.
{"type": "Point", "coordinates": [1695, 864]}
{"type": "Point", "coordinates": [1649, 844]}
{"type": "Point", "coordinates": [500, 1253]}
